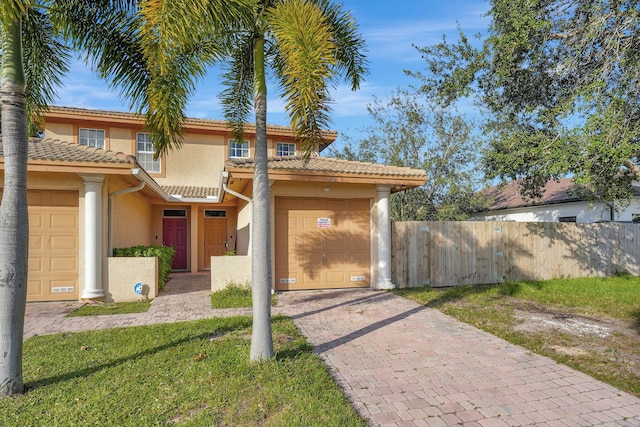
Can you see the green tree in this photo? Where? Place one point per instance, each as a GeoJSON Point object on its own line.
{"type": "Point", "coordinates": [306, 44]}
{"type": "Point", "coordinates": [559, 79]}
{"type": "Point", "coordinates": [411, 130]}
{"type": "Point", "coordinates": [33, 60]}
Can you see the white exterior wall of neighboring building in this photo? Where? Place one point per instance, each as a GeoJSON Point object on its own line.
{"type": "Point", "coordinates": [584, 212]}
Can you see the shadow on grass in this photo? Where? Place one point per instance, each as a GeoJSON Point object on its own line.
{"type": "Point", "coordinates": [85, 372]}
{"type": "Point", "coordinates": [636, 319]}
{"type": "Point", "coordinates": [458, 293]}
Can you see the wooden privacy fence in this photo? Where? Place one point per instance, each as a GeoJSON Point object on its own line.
{"type": "Point", "coordinates": [477, 252]}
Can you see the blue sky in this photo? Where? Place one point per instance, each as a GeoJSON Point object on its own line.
{"type": "Point", "coordinates": [390, 28]}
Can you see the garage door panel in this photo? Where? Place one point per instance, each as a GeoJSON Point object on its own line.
{"type": "Point", "coordinates": [63, 221]}
{"type": "Point", "coordinates": [36, 243]}
{"type": "Point", "coordinates": [325, 243]}
{"type": "Point", "coordinates": [59, 265]}
{"type": "Point", "coordinates": [34, 288]}
{"type": "Point", "coordinates": [35, 221]}
{"type": "Point", "coordinates": [64, 242]}
{"type": "Point", "coordinates": [336, 277]}
{"type": "Point", "coordinates": [35, 264]}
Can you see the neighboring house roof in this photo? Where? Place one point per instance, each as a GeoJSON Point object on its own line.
{"type": "Point", "coordinates": [509, 196]}
{"type": "Point", "coordinates": [324, 164]}
{"type": "Point", "coordinates": [62, 151]}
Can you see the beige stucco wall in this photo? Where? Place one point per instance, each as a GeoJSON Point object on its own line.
{"type": "Point", "coordinates": [131, 216]}
{"type": "Point", "coordinates": [227, 269]}
{"type": "Point", "coordinates": [124, 273]}
{"type": "Point", "coordinates": [122, 140]}
{"type": "Point", "coordinates": [61, 131]}
{"type": "Point", "coordinates": [243, 232]}
{"type": "Point", "coordinates": [198, 163]}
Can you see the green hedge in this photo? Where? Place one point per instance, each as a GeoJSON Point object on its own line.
{"type": "Point", "coordinates": [165, 256]}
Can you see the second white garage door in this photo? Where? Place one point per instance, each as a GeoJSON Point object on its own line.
{"type": "Point", "coordinates": [322, 243]}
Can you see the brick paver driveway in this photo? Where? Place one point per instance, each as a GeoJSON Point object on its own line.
{"type": "Point", "coordinates": [403, 364]}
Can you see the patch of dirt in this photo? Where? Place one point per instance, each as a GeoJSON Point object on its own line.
{"type": "Point", "coordinates": [610, 347]}
{"type": "Point", "coordinates": [539, 318]}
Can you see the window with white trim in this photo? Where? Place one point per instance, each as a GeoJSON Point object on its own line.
{"type": "Point", "coordinates": [238, 150]}
{"type": "Point", "coordinates": [145, 151]}
{"type": "Point", "coordinates": [285, 149]}
{"type": "Point", "coordinates": [91, 137]}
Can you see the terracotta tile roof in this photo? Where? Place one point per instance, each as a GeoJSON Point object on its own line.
{"type": "Point", "coordinates": [509, 196]}
{"type": "Point", "coordinates": [329, 134]}
{"type": "Point", "coordinates": [188, 192]}
{"type": "Point", "coordinates": [324, 164]}
{"type": "Point", "coordinates": [62, 151]}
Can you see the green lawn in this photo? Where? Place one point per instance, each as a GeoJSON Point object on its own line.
{"type": "Point", "coordinates": [190, 373]}
{"type": "Point", "coordinates": [235, 295]}
{"type": "Point", "coordinates": [498, 309]}
{"type": "Point", "coordinates": [96, 309]}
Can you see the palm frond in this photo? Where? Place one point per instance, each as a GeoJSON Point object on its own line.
{"type": "Point", "coordinates": [14, 10]}
{"type": "Point", "coordinates": [237, 97]}
{"type": "Point", "coordinates": [180, 39]}
{"type": "Point", "coordinates": [108, 34]}
{"type": "Point", "coordinates": [307, 54]}
{"type": "Point", "coordinates": [351, 50]}
{"type": "Point", "coordinates": [46, 60]}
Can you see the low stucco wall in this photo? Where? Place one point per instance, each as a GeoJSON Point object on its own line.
{"type": "Point", "coordinates": [132, 278]}
{"type": "Point", "coordinates": [226, 269]}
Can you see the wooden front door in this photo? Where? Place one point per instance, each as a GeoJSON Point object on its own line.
{"type": "Point", "coordinates": [174, 233]}
{"type": "Point", "coordinates": [215, 233]}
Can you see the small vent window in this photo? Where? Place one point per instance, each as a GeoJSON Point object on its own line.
{"type": "Point", "coordinates": [215, 214]}
{"type": "Point", "coordinates": [567, 219]}
{"type": "Point", "coordinates": [180, 213]}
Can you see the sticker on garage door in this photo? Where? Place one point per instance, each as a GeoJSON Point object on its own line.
{"type": "Point", "coordinates": [324, 222]}
{"type": "Point", "coordinates": [288, 280]}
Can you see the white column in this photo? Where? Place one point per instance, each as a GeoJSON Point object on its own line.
{"type": "Point", "coordinates": [92, 236]}
{"type": "Point", "coordinates": [384, 239]}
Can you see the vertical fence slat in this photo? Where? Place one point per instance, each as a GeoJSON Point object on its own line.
{"type": "Point", "coordinates": [479, 252]}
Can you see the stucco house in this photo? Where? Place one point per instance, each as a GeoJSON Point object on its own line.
{"type": "Point", "coordinates": [93, 185]}
{"type": "Point", "coordinates": [557, 204]}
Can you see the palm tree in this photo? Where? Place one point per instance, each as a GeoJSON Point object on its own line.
{"type": "Point", "coordinates": [307, 44]}
{"type": "Point", "coordinates": [13, 210]}
{"type": "Point", "coordinates": [31, 36]}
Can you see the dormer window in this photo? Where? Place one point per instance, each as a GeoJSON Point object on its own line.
{"type": "Point", "coordinates": [91, 137]}
{"type": "Point", "coordinates": [285, 149]}
{"type": "Point", "coordinates": [238, 150]}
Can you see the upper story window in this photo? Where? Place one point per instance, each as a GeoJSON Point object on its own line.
{"type": "Point", "coordinates": [238, 149]}
{"type": "Point", "coordinates": [91, 137]}
{"type": "Point", "coordinates": [285, 149]}
{"type": "Point", "coordinates": [145, 151]}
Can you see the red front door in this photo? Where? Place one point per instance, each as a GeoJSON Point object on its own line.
{"type": "Point", "coordinates": [174, 233]}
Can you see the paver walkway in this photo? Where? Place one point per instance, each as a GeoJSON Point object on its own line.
{"type": "Point", "coordinates": [185, 297]}
{"type": "Point", "coordinates": [400, 363]}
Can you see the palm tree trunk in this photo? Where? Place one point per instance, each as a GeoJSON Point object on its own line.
{"type": "Point", "coordinates": [14, 219]}
{"type": "Point", "coordinates": [261, 340]}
